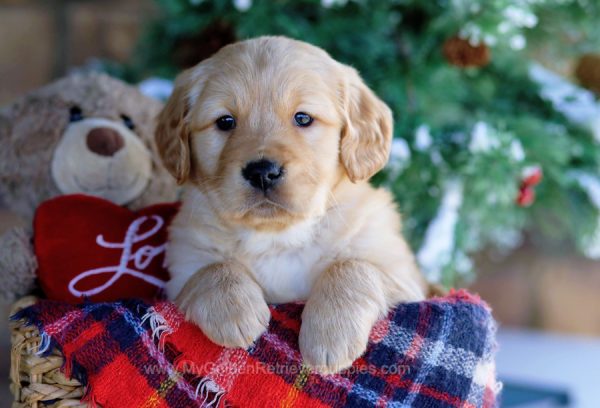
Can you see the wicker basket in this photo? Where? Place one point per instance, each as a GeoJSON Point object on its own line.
{"type": "Point", "coordinates": [37, 381]}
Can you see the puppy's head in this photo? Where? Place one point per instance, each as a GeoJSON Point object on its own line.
{"type": "Point", "coordinates": [267, 127]}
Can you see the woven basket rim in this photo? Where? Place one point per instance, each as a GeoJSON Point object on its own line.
{"type": "Point", "coordinates": [34, 378]}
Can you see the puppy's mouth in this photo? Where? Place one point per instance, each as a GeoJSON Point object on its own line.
{"type": "Point", "coordinates": [267, 208]}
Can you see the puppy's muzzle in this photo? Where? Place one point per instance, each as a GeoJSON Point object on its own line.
{"type": "Point", "coordinates": [263, 174]}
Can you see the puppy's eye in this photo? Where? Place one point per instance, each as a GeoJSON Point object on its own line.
{"type": "Point", "coordinates": [303, 119]}
{"type": "Point", "coordinates": [225, 123]}
{"type": "Point", "coordinates": [128, 122]}
{"type": "Point", "coordinates": [75, 114]}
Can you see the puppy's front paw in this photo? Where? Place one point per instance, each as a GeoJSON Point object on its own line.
{"type": "Point", "coordinates": [337, 319]}
{"type": "Point", "coordinates": [331, 339]}
{"type": "Point", "coordinates": [228, 307]}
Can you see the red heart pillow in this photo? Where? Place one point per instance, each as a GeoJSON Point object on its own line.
{"type": "Point", "coordinates": [88, 247]}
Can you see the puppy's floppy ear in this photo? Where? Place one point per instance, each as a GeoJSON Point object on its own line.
{"type": "Point", "coordinates": [367, 132]}
{"type": "Point", "coordinates": [172, 130]}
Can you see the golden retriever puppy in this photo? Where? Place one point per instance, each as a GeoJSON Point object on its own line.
{"type": "Point", "coordinates": [275, 142]}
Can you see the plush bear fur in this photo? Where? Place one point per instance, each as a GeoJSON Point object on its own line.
{"type": "Point", "coordinates": [86, 133]}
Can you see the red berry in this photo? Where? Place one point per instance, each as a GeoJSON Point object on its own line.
{"type": "Point", "coordinates": [532, 176]}
{"type": "Point", "coordinates": [526, 197]}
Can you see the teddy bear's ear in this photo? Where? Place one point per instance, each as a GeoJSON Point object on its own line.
{"type": "Point", "coordinates": [172, 131]}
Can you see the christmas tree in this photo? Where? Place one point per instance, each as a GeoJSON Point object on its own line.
{"type": "Point", "coordinates": [485, 148]}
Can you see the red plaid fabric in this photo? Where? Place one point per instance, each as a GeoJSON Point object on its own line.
{"type": "Point", "coordinates": [437, 353]}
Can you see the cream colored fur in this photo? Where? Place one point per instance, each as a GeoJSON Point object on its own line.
{"type": "Point", "coordinates": [323, 236]}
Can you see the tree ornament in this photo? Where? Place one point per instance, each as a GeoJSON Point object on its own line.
{"type": "Point", "coordinates": [461, 53]}
{"type": "Point", "coordinates": [587, 71]}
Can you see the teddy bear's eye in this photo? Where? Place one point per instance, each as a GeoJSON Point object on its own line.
{"type": "Point", "coordinates": [75, 114]}
{"type": "Point", "coordinates": [128, 122]}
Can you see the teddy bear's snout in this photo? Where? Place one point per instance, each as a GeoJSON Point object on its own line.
{"type": "Point", "coordinates": [104, 141]}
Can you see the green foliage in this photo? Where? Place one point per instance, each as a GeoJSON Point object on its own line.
{"type": "Point", "coordinates": [397, 47]}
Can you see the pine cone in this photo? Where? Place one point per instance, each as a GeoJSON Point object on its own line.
{"type": "Point", "coordinates": [587, 71]}
{"type": "Point", "coordinates": [461, 53]}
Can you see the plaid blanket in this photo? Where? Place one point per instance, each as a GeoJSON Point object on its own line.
{"type": "Point", "coordinates": [437, 353]}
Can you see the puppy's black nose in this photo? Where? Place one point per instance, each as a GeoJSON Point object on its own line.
{"type": "Point", "coordinates": [104, 141]}
{"type": "Point", "coordinates": [262, 174]}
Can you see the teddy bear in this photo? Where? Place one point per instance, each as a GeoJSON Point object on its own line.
{"type": "Point", "coordinates": [86, 133]}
